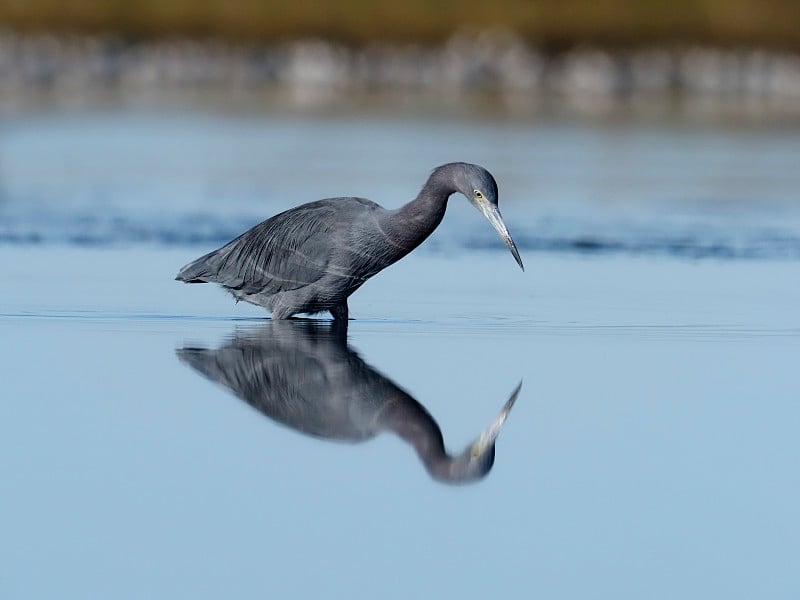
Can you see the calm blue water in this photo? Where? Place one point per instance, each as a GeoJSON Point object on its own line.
{"type": "Point", "coordinates": [179, 179]}
{"type": "Point", "coordinates": [652, 451]}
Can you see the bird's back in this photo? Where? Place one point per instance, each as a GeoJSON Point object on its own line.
{"type": "Point", "coordinates": [287, 252]}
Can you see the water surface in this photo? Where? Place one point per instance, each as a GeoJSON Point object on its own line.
{"type": "Point", "coordinates": [564, 187]}
{"type": "Point", "coordinates": [652, 450]}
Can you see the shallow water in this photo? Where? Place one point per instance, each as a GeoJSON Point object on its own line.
{"type": "Point", "coordinates": [652, 450]}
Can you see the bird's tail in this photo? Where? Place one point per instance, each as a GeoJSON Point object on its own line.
{"type": "Point", "coordinates": [202, 270]}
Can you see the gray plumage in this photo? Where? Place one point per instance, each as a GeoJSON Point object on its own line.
{"type": "Point", "coordinates": [311, 258]}
{"type": "Point", "coordinates": [304, 375]}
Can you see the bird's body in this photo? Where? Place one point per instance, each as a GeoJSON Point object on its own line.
{"type": "Point", "coordinates": [311, 258]}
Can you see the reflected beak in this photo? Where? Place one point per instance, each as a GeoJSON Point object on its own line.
{"type": "Point", "coordinates": [487, 439]}
{"type": "Point", "coordinates": [492, 213]}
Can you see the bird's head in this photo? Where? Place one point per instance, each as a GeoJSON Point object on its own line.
{"type": "Point", "coordinates": [478, 458]}
{"type": "Point", "coordinates": [478, 186]}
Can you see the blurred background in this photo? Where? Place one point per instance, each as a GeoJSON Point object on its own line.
{"type": "Point", "coordinates": [733, 58]}
{"type": "Point", "coordinates": [612, 125]}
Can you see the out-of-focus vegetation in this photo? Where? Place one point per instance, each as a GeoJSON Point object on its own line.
{"type": "Point", "coordinates": [548, 23]}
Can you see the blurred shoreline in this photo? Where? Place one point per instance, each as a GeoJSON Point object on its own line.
{"type": "Point", "coordinates": [494, 71]}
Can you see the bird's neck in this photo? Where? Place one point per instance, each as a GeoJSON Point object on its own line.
{"type": "Point", "coordinates": [411, 224]}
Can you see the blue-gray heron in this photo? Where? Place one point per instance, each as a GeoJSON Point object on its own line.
{"type": "Point", "coordinates": [304, 375]}
{"type": "Point", "coordinates": [309, 259]}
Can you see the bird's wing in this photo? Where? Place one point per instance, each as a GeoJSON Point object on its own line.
{"type": "Point", "coordinates": [286, 252]}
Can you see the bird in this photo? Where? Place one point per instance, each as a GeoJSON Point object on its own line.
{"type": "Point", "coordinates": [303, 374]}
{"type": "Point", "coordinates": [311, 258]}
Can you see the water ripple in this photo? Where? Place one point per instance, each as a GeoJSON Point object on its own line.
{"type": "Point", "coordinates": [562, 235]}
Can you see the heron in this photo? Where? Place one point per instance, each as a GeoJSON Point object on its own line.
{"type": "Point", "coordinates": [311, 258]}
{"type": "Point", "coordinates": [303, 374]}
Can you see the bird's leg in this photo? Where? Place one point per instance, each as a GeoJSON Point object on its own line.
{"type": "Point", "coordinates": [340, 312]}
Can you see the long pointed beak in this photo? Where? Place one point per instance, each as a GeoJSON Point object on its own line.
{"type": "Point", "coordinates": [489, 435]}
{"type": "Point", "coordinates": [492, 213]}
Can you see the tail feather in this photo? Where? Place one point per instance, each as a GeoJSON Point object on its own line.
{"type": "Point", "coordinates": [202, 270]}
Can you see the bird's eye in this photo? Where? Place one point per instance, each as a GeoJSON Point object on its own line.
{"type": "Point", "coordinates": [478, 195]}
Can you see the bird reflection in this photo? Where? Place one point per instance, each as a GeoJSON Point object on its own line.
{"type": "Point", "coordinates": [303, 374]}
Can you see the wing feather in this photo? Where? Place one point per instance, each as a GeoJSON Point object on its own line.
{"type": "Point", "coordinates": [288, 251]}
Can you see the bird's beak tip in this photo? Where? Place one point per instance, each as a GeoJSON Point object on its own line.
{"type": "Point", "coordinates": [516, 255]}
{"type": "Point", "coordinates": [492, 213]}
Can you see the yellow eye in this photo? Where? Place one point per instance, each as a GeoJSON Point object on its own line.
{"type": "Point", "coordinates": [478, 195]}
